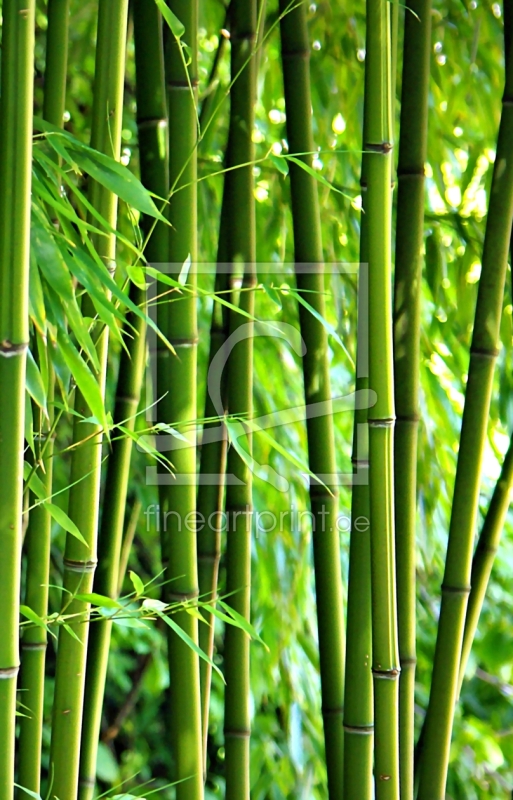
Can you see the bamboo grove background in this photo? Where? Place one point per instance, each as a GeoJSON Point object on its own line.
{"type": "Point", "coordinates": [404, 163]}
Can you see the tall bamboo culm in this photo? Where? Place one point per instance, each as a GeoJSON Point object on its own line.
{"type": "Point", "coordinates": [483, 354]}
{"type": "Point", "coordinates": [358, 698]}
{"type": "Point", "coordinates": [378, 147]}
{"type": "Point", "coordinates": [407, 295]}
{"type": "Point", "coordinates": [241, 251]}
{"type": "Point", "coordinates": [152, 127]}
{"type": "Point", "coordinates": [15, 171]}
{"type": "Point", "coordinates": [295, 49]}
{"type": "Point", "coordinates": [38, 538]}
{"type": "Point", "coordinates": [178, 321]}
{"type": "Point", "coordinates": [79, 559]}
{"type": "Point", "coordinates": [211, 486]}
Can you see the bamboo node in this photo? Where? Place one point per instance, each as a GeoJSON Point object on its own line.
{"type": "Point", "coordinates": [33, 645]}
{"type": "Point", "coordinates": [181, 597]}
{"type": "Point", "coordinates": [387, 674]}
{"type": "Point", "coordinates": [8, 672]}
{"type": "Point", "coordinates": [360, 730]}
{"type": "Point", "coordinates": [333, 712]}
{"type": "Point", "coordinates": [484, 352]}
{"type": "Point", "coordinates": [237, 733]}
{"type": "Point", "coordinates": [455, 589]}
{"type": "Point", "coordinates": [183, 84]}
{"type": "Point", "coordinates": [411, 173]}
{"type": "Point", "coordinates": [8, 348]}
{"type": "Point", "coordinates": [383, 147]}
{"type": "Point", "coordinates": [381, 423]}
{"type": "Point", "coordinates": [79, 566]}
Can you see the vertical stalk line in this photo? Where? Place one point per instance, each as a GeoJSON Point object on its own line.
{"type": "Point", "coordinates": [358, 698]}
{"type": "Point", "coordinates": [484, 555]}
{"type": "Point", "coordinates": [211, 483]}
{"type": "Point", "coordinates": [240, 252]}
{"type": "Point", "coordinates": [407, 297]}
{"type": "Point", "coordinates": [295, 48]}
{"type": "Point", "coordinates": [79, 559]}
{"type": "Point", "coordinates": [385, 656]}
{"type": "Point", "coordinates": [152, 126]}
{"type": "Point", "coordinates": [483, 355]}
{"type": "Point", "coordinates": [34, 641]}
{"type": "Point", "coordinates": [56, 61]}
{"type": "Point", "coordinates": [38, 538]}
{"type": "Point", "coordinates": [15, 171]}
{"type": "Point", "coordinates": [176, 382]}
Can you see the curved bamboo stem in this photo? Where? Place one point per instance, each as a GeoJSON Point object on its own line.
{"type": "Point", "coordinates": [310, 280]}
{"type": "Point", "coordinates": [79, 559]}
{"type": "Point", "coordinates": [483, 354]}
{"type": "Point", "coordinates": [15, 177]}
{"type": "Point", "coordinates": [407, 297]}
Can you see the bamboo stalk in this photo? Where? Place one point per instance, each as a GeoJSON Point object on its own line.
{"type": "Point", "coordinates": [38, 538]}
{"type": "Point", "coordinates": [407, 299]}
{"type": "Point", "coordinates": [310, 282]}
{"type": "Point", "coordinates": [178, 321]}
{"type": "Point", "coordinates": [15, 173]}
{"type": "Point", "coordinates": [484, 555]}
{"type": "Point", "coordinates": [54, 102]}
{"type": "Point", "coordinates": [483, 354]}
{"type": "Point", "coordinates": [241, 250]}
{"type": "Point", "coordinates": [358, 697]}
{"type": "Point", "coordinates": [79, 559]}
{"type": "Point", "coordinates": [385, 656]}
{"type": "Point", "coordinates": [210, 493]}
{"type": "Point", "coordinates": [152, 123]}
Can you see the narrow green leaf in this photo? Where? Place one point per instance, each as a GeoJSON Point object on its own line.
{"type": "Point", "coordinates": [313, 172]}
{"type": "Point", "coordinates": [34, 383]}
{"type": "Point", "coordinates": [71, 632]}
{"type": "Point", "coordinates": [137, 583]}
{"type": "Point", "coordinates": [242, 622]}
{"type": "Point", "coordinates": [86, 382]}
{"type": "Point", "coordinates": [31, 615]}
{"type": "Point", "coordinates": [280, 164]}
{"type": "Point", "coordinates": [189, 642]}
{"type": "Point", "coordinates": [176, 27]}
{"type": "Point", "coordinates": [62, 519]}
{"type": "Point", "coordinates": [98, 600]}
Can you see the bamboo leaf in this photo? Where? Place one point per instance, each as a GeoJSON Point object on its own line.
{"type": "Point", "coordinates": [176, 27]}
{"type": "Point", "coordinates": [313, 172]}
{"type": "Point", "coordinates": [86, 382]}
{"type": "Point", "coordinates": [100, 600]}
{"type": "Point", "coordinates": [243, 623]}
{"type": "Point", "coordinates": [35, 483]}
{"type": "Point", "coordinates": [137, 583]}
{"type": "Point", "coordinates": [71, 632]}
{"type": "Point", "coordinates": [189, 642]}
{"type": "Point", "coordinates": [35, 795]}
{"type": "Point", "coordinates": [62, 519]}
{"type": "Point", "coordinates": [31, 615]}
{"type": "Point", "coordinates": [34, 383]}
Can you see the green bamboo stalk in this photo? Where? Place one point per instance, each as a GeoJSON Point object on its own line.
{"type": "Point", "coordinates": [241, 250]}
{"type": "Point", "coordinates": [407, 297]}
{"type": "Point", "coordinates": [79, 559]}
{"type": "Point", "coordinates": [152, 124]}
{"type": "Point", "coordinates": [34, 641]}
{"type": "Point", "coordinates": [38, 538]}
{"type": "Point", "coordinates": [310, 281]}
{"type": "Point", "coordinates": [483, 354]}
{"type": "Point", "coordinates": [15, 172]}
{"type": "Point", "coordinates": [385, 656]}
{"type": "Point", "coordinates": [358, 697]}
{"type": "Point", "coordinates": [178, 406]}
{"type": "Point", "coordinates": [211, 493]}
{"type": "Point", "coordinates": [484, 555]}
{"type": "Point", "coordinates": [54, 102]}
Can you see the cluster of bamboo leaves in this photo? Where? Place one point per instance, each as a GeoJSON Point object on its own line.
{"type": "Point", "coordinates": [81, 239]}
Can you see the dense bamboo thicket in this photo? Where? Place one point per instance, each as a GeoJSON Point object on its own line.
{"type": "Point", "coordinates": [255, 400]}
